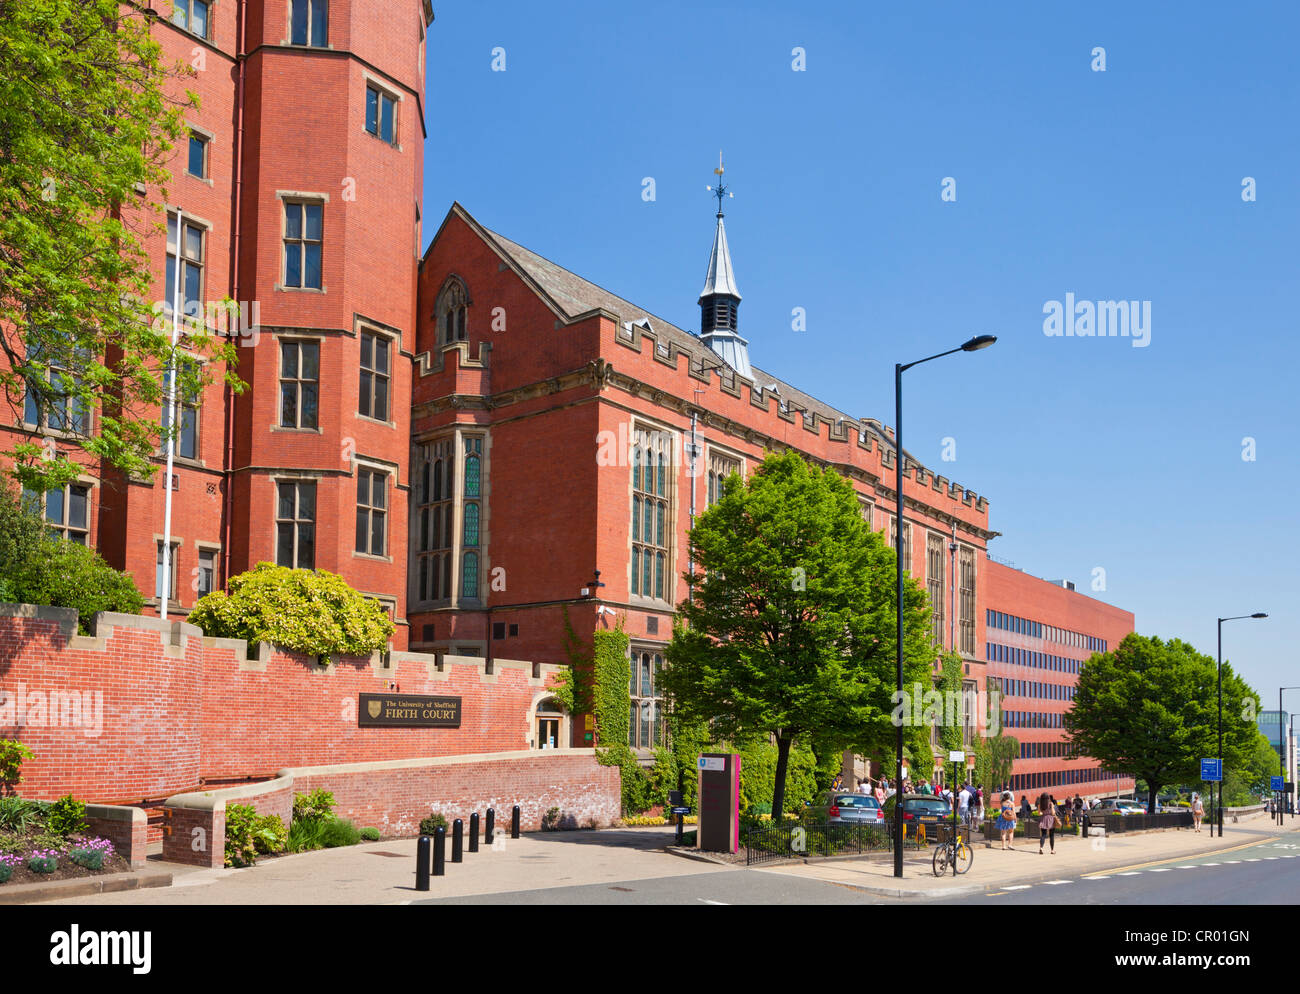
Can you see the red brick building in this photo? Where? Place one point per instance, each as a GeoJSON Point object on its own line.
{"type": "Point", "coordinates": [297, 194]}
{"type": "Point", "coordinates": [559, 430]}
{"type": "Point", "coordinates": [481, 438]}
{"type": "Point", "coordinates": [1037, 636]}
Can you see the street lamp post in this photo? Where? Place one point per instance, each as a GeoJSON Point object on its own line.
{"type": "Point", "coordinates": [1238, 617]}
{"type": "Point", "coordinates": [973, 345]}
{"type": "Point", "coordinates": [1281, 753]}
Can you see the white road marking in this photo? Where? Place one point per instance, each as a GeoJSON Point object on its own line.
{"type": "Point", "coordinates": [1096, 878]}
{"type": "Point", "coordinates": [1255, 860]}
{"type": "Point", "coordinates": [1232, 861]}
{"type": "Point", "coordinates": [1053, 883]}
{"type": "Point", "coordinates": [1018, 887]}
{"type": "Point", "coordinates": [1209, 864]}
{"type": "Point", "coordinates": [1130, 873]}
{"type": "Point", "coordinates": [1187, 866]}
{"type": "Point", "coordinates": [1161, 869]}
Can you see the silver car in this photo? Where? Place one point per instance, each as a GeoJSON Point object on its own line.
{"type": "Point", "coordinates": [839, 807]}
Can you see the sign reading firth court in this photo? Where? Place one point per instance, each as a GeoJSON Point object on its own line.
{"type": "Point", "coordinates": [407, 711]}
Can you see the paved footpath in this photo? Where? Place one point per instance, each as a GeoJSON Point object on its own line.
{"type": "Point", "coordinates": [384, 872]}
{"type": "Point", "coordinates": [995, 869]}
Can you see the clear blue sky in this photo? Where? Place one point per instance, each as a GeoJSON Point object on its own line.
{"type": "Point", "coordinates": [1122, 184]}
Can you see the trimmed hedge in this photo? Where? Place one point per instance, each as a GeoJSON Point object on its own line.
{"type": "Point", "coordinates": [309, 611]}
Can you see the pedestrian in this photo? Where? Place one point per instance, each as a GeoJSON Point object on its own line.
{"type": "Point", "coordinates": [864, 787]}
{"type": "Point", "coordinates": [1047, 823]}
{"type": "Point", "coordinates": [880, 793]}
{"type": "Point", "coordinates": [977, 806]}
{"type": "Point", "coordinates": [1006, 823]}
{"type": "Point", "coordinates": [1025, 810]}
{"type": "Point", "coordinates": [1198, 811]}
{"type": "Point", "coordinates": [963, 804]}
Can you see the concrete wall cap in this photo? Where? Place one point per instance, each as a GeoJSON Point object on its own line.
{"type": "Point", "coordinates": [114, 812]}
{"type": "Point", "coordinates": [411, 764]}
{"type": "Point", "coordinates": [215, 800]}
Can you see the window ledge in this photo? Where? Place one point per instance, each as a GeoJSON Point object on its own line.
{"type": "Point", "coordinates": [372, 557]}
{"type": "Point", "coordinates": [375, 421]}
{"type": "Point", "coordinates": [300, 289]}
{"type": "Point", "coordinates": [300, 431]}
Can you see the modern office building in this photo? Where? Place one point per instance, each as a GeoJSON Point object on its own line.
{"type": "Point", "coordinates": [1037, 636]}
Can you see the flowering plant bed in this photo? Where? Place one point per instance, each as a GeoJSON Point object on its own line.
{"type": "Point", "coordinates": [45, 859]}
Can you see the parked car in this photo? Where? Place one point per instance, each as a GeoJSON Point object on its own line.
{"type": "Point", "coordinates": [838, 807]}
{"type": "Point", "coordinates": [1111, 806]}
{"type": "Point", "coordinates": [923, 809]}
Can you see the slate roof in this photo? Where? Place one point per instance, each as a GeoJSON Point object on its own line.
{"type": "Point", "coordinates": [574, 295]}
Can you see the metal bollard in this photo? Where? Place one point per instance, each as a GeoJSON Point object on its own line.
{"type": "Point", "coordinates": [422, 863]}
{"type": "Point", "coordinates": [457, 840]}
{"type": "Point", "coordinates": [514, 822]}
{"type": "Point", "coordinates": [440, 851]}
{"type": "Point", "coordinates": [473, 832]}
{"type": "Point", "coordinates": [491, 824]}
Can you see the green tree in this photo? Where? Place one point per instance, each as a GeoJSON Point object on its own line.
{"type": "Point", "coordinates": [789, 629]}
{"type": "Point", "coordinates": [37, 567]}
{"type": "Point", "coordinates": [84, 120]}
{"type": "Point", "coordinates": [1150, 709]}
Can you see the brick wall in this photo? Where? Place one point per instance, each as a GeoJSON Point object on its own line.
{"type": "Point", "coordinates": [393, 797]}
{"type": "Point", "coordinates": [161, 709]}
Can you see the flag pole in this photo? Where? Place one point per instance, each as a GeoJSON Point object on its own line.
{"type": "Point", "coordinates": [166, 591]}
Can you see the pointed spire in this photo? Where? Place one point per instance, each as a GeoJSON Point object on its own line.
{"type": "Point", "coordinates": [720, 279]}
{"type": "Point", "coordinates": [720, 299]}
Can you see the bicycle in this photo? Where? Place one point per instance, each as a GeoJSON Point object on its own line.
{"type": "Point", "coordinates": [956, 853]}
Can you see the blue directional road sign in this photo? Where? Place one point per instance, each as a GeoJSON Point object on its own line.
{"type": "Point", "coordinates": [1275, 783]}
{"type": "Point", "coordinates": [1212, 770]}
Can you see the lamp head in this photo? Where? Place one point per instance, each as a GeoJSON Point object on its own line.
{"type": "Point", "coordinates": [979, 342]}
{"type": "Point", "coordinates": [1259, 614]}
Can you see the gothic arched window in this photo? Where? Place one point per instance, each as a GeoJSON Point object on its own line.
{"type": "Point", "coordinates": [453, 304]}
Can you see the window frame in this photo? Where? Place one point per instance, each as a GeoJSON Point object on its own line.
{"type": "Point", "coordinates": [382, 94]}
{"type": "Point", "coordinates": [309, 7]}
{"type": "Point", "coordinates": [302, 201]}
{"type": "Point", "coordinates": [657, 722]}
{"type": "Point", "coordinates": [63, 528]}
{"type": "Point", "coordinates": [172, 599]}
{"type": "Point", "coordinates": [61, 403]}
{"type": "Point", "coordinates": [190, 307]}
{"type": "Point", "coordinates": [384, 474]}
{"type": "Point", "coordinates": [188, 7]}
{"type": "Point", "coordinates": [184, 406]}
{"type": "Point", "coordinates": [298, 381]}
{"type": "Point", "coordinates": [204, 141]}
{"type": "Point", "coordinates": [389, 344]}
{"type": "Point", "coordinates": [651, 568]}
{"type": "Point", "coordinates": [214, 551]}
{"type": "Point", "coordinates": [297, 520]}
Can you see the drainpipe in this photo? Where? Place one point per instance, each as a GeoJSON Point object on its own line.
{"type": "Point", "coordinates": [229, 461]}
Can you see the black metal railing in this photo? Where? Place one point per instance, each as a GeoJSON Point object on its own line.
{"type": "Point", "coordinates": [798, 840]}
{"type": "Point", "coordinates": [1143, 822]}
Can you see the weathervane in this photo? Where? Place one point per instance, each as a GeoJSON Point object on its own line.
{"type": "Point", "coordinates": [720, 191]}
